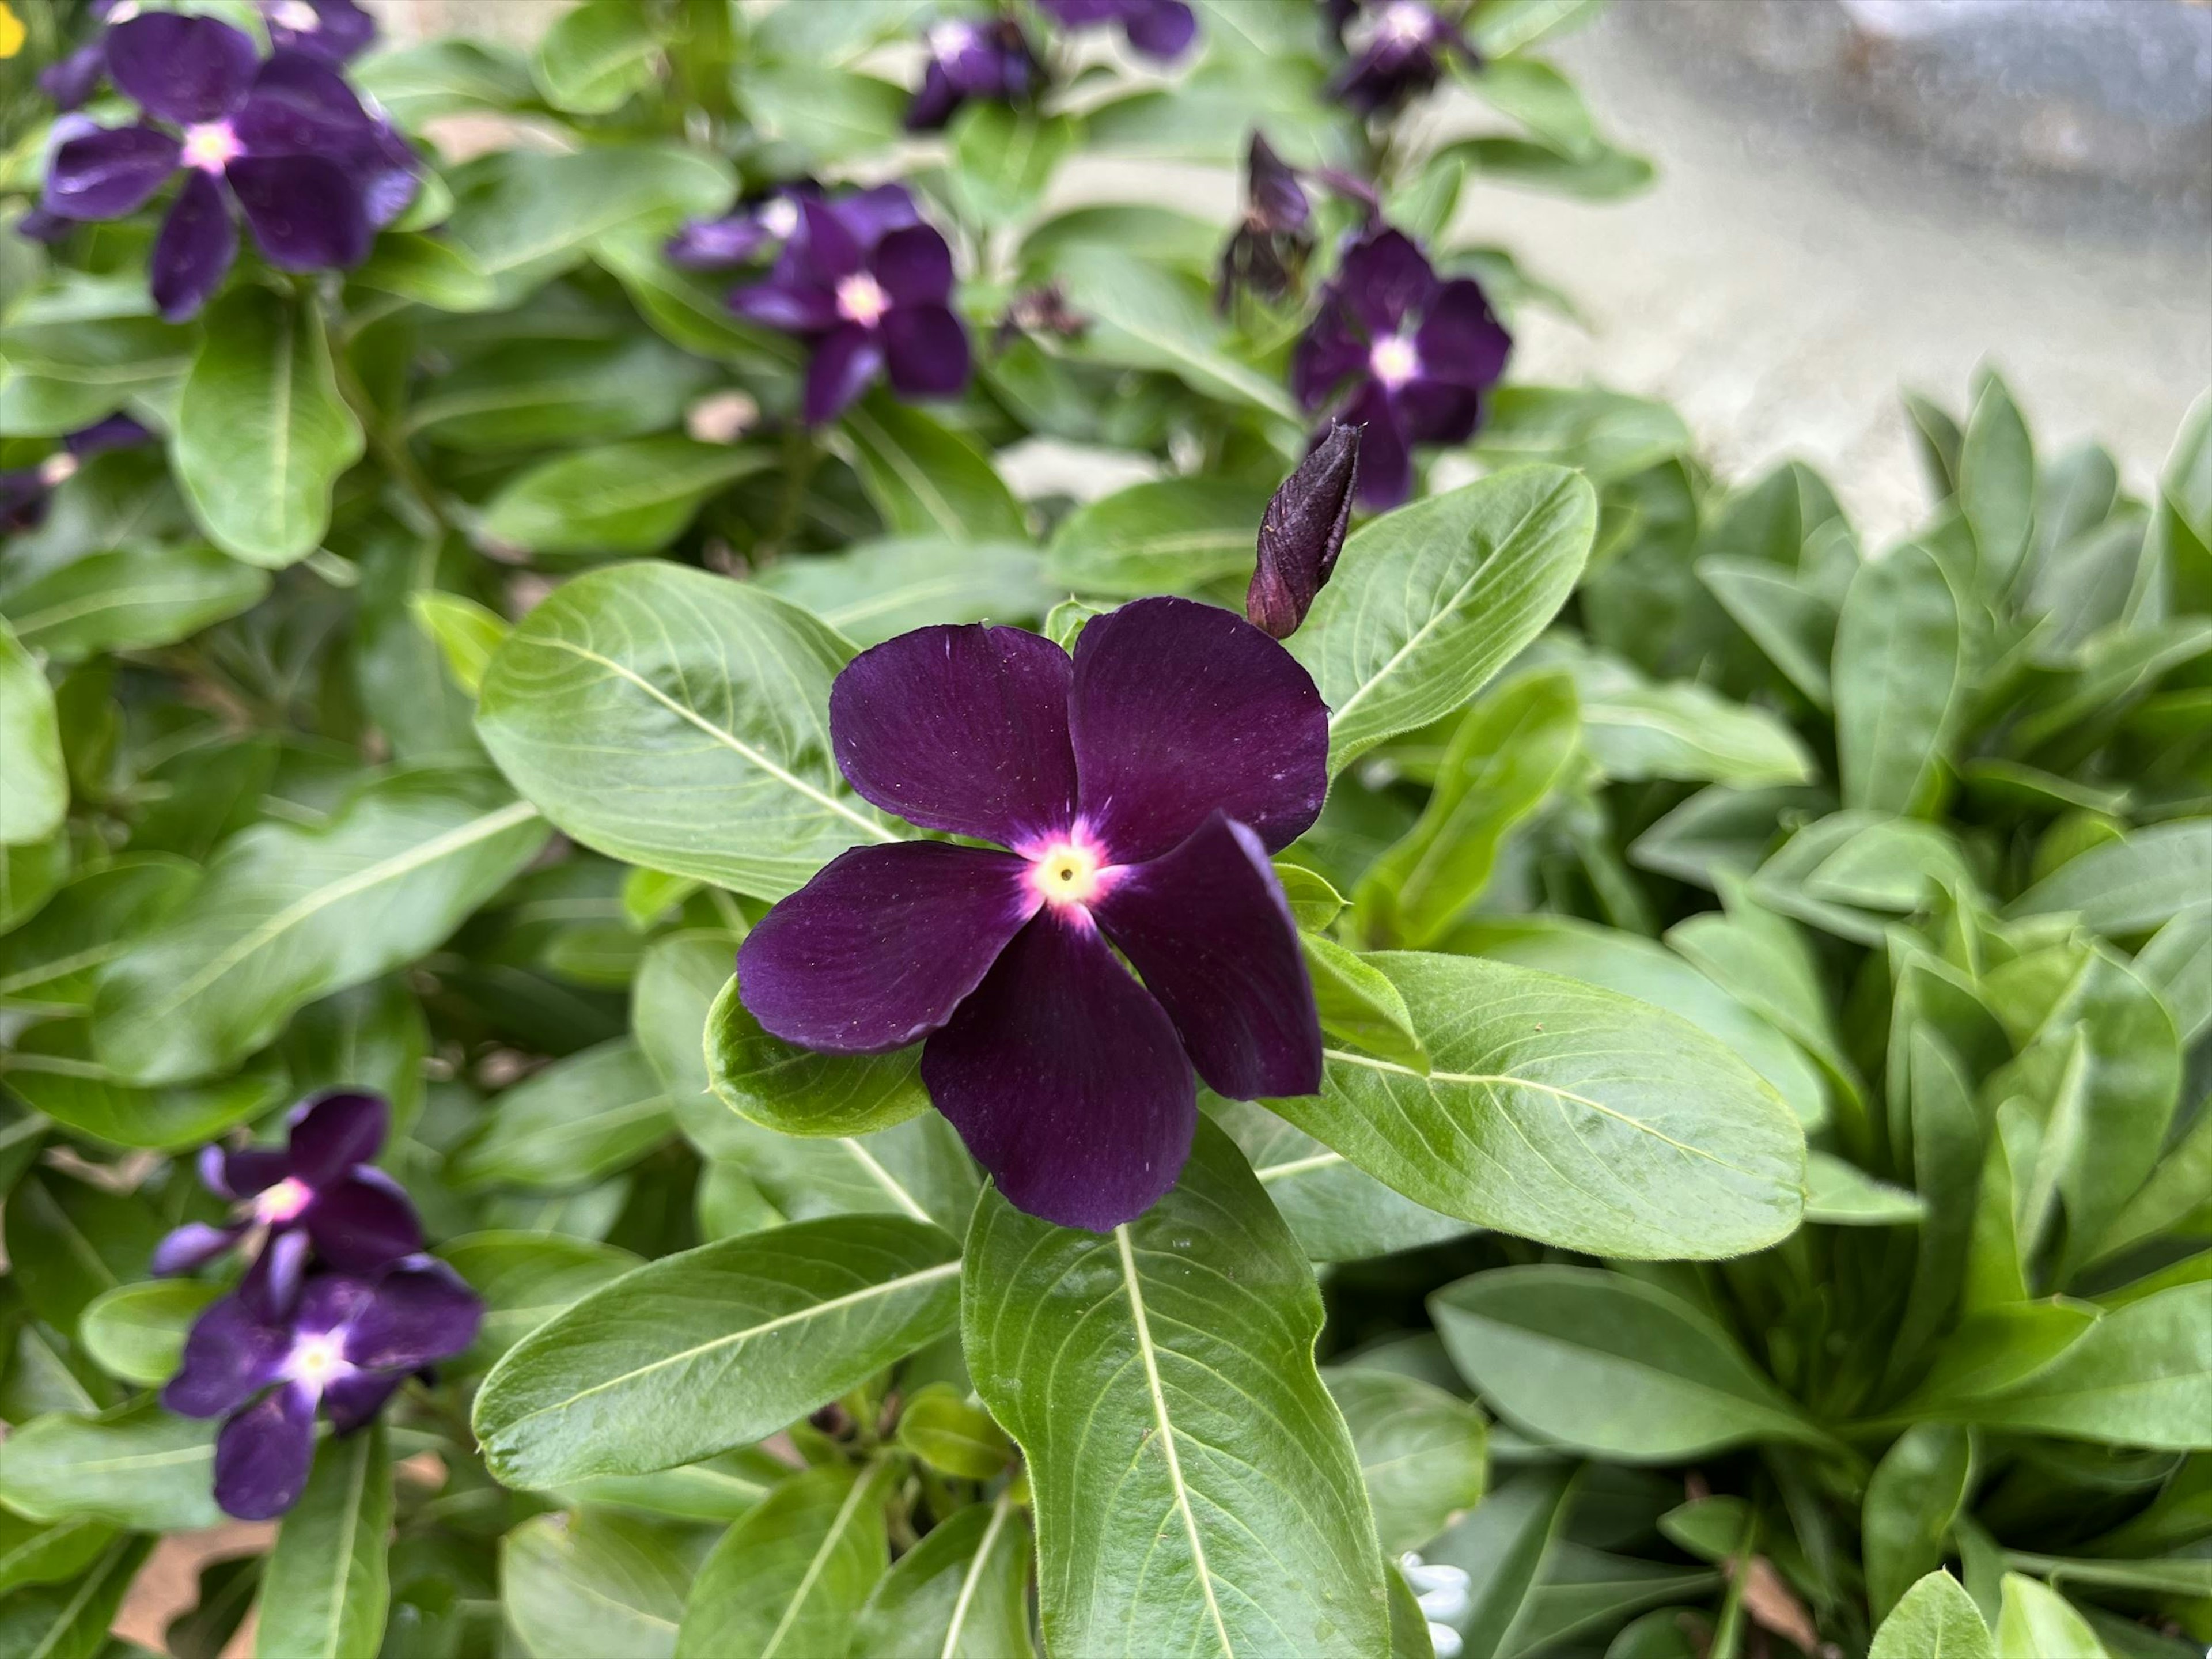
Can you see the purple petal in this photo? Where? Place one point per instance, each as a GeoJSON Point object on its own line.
{"type": "Point", "coordinates": [934, 102]}
{"type": "Point", "coordinates": [716, 244]}
{"type": "Point", "coordinates": [1328, 354]}
{"type": "Point", "coordinates": [1179, 708]}
{"type": "Point", "coordinates": [872, 215]}
{"type": "Point", "coordinates": [416, 1313]}
{"type": "Point", "coordinates": [183, 68]}
{"type": "Point", "coordinates": [1082, 13]}
{"type": "Point", "coordinates": [40, 225]}
{"type": "Point", "coordinates": [1302, 533]}
{"type": "Point", "coordinates": [1162, 29]}
{"type": "Point", "coordinates": [781, 301]}
{"type": "Point", "coordinates": [963, 729]}
{"type": "Point", "coordinates": [880, 947]}
{"type": "Point", "coordinates": [115, 432]}
{"type": "Point", "coordinates": [24, 498]}
{"type": "Point", "coordinates": [330, 1302]}
{"type": "Point", "coordinates": [363, 1222]}
{"type": "Point", "coordinates": [351, 1402]}
{"type": "Point", "coordinates": [71, 81]}
{"type": "Point", "coordinates": [1271, 187]}
{"type": "Point", "coordinates": [109, 171]}
{"type": "Point", "coordinates": [926, 349]}
{"type": "Point", "coordinates": [301, 105]}
{"type": "Point", "coordinates": [272, 1285]}
{"type": "Point", "coordinates": [1434, 412]}
{"type": "Point", "coordinates": [1461, 339]}
{"type": "Point", "coordinates": [306, 212]}
{"type": "Point", "coordinates": [192, 1247]}
{"type": "Point", "coordinates": [845, 361]}
{"type": "Point", "coordinates": [825, 241]}
{"type": "Point", "coordinates": [230, 1356]}
{"type": "Point", "coordinates": [1066, 1080]}
{"type": "Point", "coordinates": [334, 1131]}
{"type": "Point", "coordinates": [1386, 457]}
{"type": "Point", "coordinates": [914, 266]}
{"type": "Point", "coordinates": [339, 31]}
{"type": "Point", "coordinates": [194, 252]}
{"type": "Point", "coordinates": [263, 1454]}
{"type": "Point", "coordinates": [1385, 279]}
{"type": "Point", "coordinates": [242, 1174]}
{"type": "Point", "coordinates": [1208, 927]}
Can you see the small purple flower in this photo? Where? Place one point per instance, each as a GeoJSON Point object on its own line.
{"type": "Point", "coordinates": [970, 59]}
{"type": "Point", "coordinates": [1161, 29]}
{"type": "Point", "coordinates": [1302, 534]}
{"type": "Point", "coordinates": [345, 1346]}
{"type": "Point", "coordinates": [1402, 353]}
{"type": "Point", "coordinates": [1139, 789]}
{"type": "Point", "coordinates": [866, 283]}
{"type": "Point", "coordinates": [24, 493]}
{"type": "Point", "coordinates": [335, 31]}
{"type": "Point", "coordinates": [1270, 249]}
{"type": "Point", "coordinates": [1398, 48]}
{"type": "Point", "coordinates": [285, 141]}
{"type": "Point", "coordinates": [320, 1189]}
{"type": "Point", "coordinates": [746, 233]}
{"type": "Point", "coordinates": [70, 79]}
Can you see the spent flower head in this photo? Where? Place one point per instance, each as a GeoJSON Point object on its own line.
{"type": "Point", "coordinates": [1267, 254]}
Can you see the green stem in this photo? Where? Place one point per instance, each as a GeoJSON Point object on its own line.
{"type": "Point", "coordinates": [708, 51]}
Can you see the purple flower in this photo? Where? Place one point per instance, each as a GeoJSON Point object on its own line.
{"type": "Point", "coordinates": [285, 141]}
{"type": "Point", "coordinates": [1398, 48]}
{"type": "Point", "coordinates": [742, 235]}
{"type": "Point", "coordinates": [866, 283]}
{"type": "Point", "coordinates": [335, 31]}
{"type": "Point", "coordinates": [320, 1190]}
{"type": "Point", "coordinates": [1161, 29]}
{"type": "Point", "coordinates": [969, 60]}
{"type": "Point", "coordinates": [1138, 789]}
{"type": "Point", "coordinates": [25, 492]}
{"type": "Point", "coordinates": [69, 80]}
{"type": "Point", "coordinates": [345, 1346]}
{"type": "Point", "coordinates": [1402, 354]}
{"type": "Point", "coordinates": [1302, 534]}
{"type": "Point", "coordinates": [1270, 248]}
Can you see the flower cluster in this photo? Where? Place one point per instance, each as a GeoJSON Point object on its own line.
{"type": "Point", "coordinates": [25, 491]}
{"type": "Point", "coordinates": [970, 59]}
{"type": "Point", "coordinates": [1397, 50]}
{"type": "Point", "coordinates": [282, 140]}
{"type": "Point", "coordinates": [1138, 790]}
{"type": "Point", "coordinates": [338, 1308]}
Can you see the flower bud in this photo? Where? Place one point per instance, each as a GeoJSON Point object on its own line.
{"type": "Point", "coordinates": [1302, 533]}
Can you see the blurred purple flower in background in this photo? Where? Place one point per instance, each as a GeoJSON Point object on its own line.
{"type": "Point", "coordinates": [1161, 29]}
{"type": "Point", "coordinates": [1398, 48]}
{"type": "Point", "coordinates": [25, 491]}
{"type": "Point", "coordinates": [1139, 789]}
{"type": "Point", "coordinates": [1402, 353]}
{"type": "Point", "coordinates": [970, 59]}
{"type": "Point", "coordinates": [867, 284]}
{"type": "Point", "coordinates": [747, 233]}
{"type": "Point", "coordinates": [332, 30]}
{"type": "Point", "coordinates": [1268, 252]}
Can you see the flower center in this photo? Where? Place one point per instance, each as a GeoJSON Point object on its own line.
{"type": "Point", "coordinates": [1406, 23]}
{"type": "Point", "coordinates": [296, 15]}
{"type": "Point", "coordinates": [1393, 360]}
{"type": "Point", "coordinates": [318, 1359]}
{"type": "Point", "coordinates": [780, 217]}
{"type": "Point", "coordinates": [1067, 872]}
{"type": "Point", "coordinates": [861, 299]}
{"type": "Point", "coordinates": [211, 146]}
{"type": "Point", "coordinates": [58, 470]}
{"type": "Point", "coordinates": [949, 40]}
{"type": "Point", "coordinates": [283, 1202]}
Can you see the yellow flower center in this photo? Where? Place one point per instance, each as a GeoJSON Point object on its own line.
{"type": "Point", "coordinates": [861, 299]}
{"type": "Point", "coordinates": [211, 146]}
{"type": "Point", "coordinates": [1066, 872]}
{"type": "Point", "coordinates": [318, 1361]}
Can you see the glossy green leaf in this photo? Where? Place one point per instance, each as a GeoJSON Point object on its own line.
{"type": "Point", "coordinates": [617, 499]}
{"type": "Point", "coordinates": [38, 1552]}
{"type": "Point", "coordinates": [70, 1242]}
{"type": "Point", "coordinates": [1794, 625]}
{"type": "Point", "coordinates": [1898, 669]}
{"type": "Point", "coordinates": [58, 374]}
{"type": "Point", "coordinates": [1838, 1193]}
{"type": "Point", "coordinates": [789, 1578]}
{"type": "Point", "coordinates": [132, 598]}
{"type": "Point", "coordinates": [2131, 885]}
{"type": "Point", "coordinates": [1996, 1348]}
{"type": "Point", "coordinates": [2142, 1376]}
{"type": "Point", "coordinates": [1170, 536]}
{"type": "Point", "coordinates": [136, 1333]}
{"type": "Point", "coordinates": [70, 1621]}
{"type": "Point", "coordinates": [525, 1279]}
{"type": "Point", "coordinates": [1934, 1620]}
{"type": "Point", "coordinates": [1003, 161]}
{"type": "Point", "coordinates": [1142, 316]}
{"type": "Point", "coordinates": [55, 1071]}
{"type": "Point", "coordinates": [428, 270]}
{"type": "Point", "coordinates": [1608, 435]}
{"type": "Point", "coordinates": [148, 1471]}
{"type": "Point", "coordinates": [594, 57]}
{"type": "Point", "coordinates": [1424, 1454]}
{"type": "Point", "coordinates": [1502, 1547]}
{"type": "Point", "coordinates": [2038, 1623]}
{"type": "Point", "coordinates": [1917, 1489]}
{"type": "Point", "coordinates": [36, 799]}
{"type": "Point", "coordinates": [1338, 1210]}
{"type": "Point", "coordinates": [47, 965]}
{"type": "Point", "coordinates": [873, 590]}
{"type": "Point", "coordinates": [1358, 1004]}
{"type": "Point", "coordinates": [927, 479]}
{"type": "Point", "coordinates": [542, 394]}
{"type": "Point", "coordinates": [962, 1593]}
{"type": "Point", "coordinates": [828, 114]}
{"type": "Point", "coordinates": [1683, 730]}
{"type": "Point", "coordinates": [584, 1116]}
{"type": "Point", "coordinates": [956, 1438]}
{"type": "Point", "coordinates": [1997, 483]}
{"type": "Point", "coordinates": [328, 1582]}
{"type": "Point", "coordinates": [467, 633]}
{"type": "Point", "coordinates": [587, 1586]}
{"type": "Point", "coordinates": [29, 873]}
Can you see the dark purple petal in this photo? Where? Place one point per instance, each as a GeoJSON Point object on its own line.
{"type": "Point", "coordinates": [306, 212]}
{"type": "Point", "coordinates": [845, 361]}
{"type": "Point", "coordinates": [332, 30]}
{"type": "Point", "coordinates": [1179, 708]}
{"type": "Point", "coordinates": [963, 729]}
{"type": "Point", "coordinates": [794, 305]}
{"type": "Point", "coordinates": [1386, 456]}
{"type": "Point", "coordinates": [330, 1302]}
{"type": "Point", "coordinates": [301, 105]}
{"type": "Point", "coordinates": [262, 1455]}
{"type": "Point", "coordinates": [872, 215]}
{"type": "Point", "coordinates": [1082, 13]}
{"type": "Point", "coordinates": [107, 173]}
{"type": "Point", "coordinates": [183, 68]}
{"type": "Point", "coordinates": [24, 497]}
{"type": "Point", "coordinates": [1277, 201]}
{"type": "Point", "coordinates": [39, 225]}
{"type": "Point", "coordinates": [272, 1285]}
{"type": "Point", "coordinates": [353, 1402]}
{"type": "Point", "coordinates": [418, 1313]}
{"type": "Point", "coordinates": [1209, 929]}
{"type": "Point", "coordinates": [1161, 29]}
{"type": "Point", "coordinates": [390, 174]}
{"type": "Point", "coordinates": [934, 102]}
{"type": "Point", "coordinates": [115, 432]}
{"type": "Point", "coordinates": [1066, 1080]}
{"type": "Point", "coordinates": [334, 1131]}
{"type": "Point", "coordinates": [1329, 353]}
{"type": "Point", "coordinates": [926, 349]}
{"type": "Point", "coordinates": [193, 253]}
{"type": "Point", "coordinates": [71, 81]}
{"type": "Point", "coordinates": [914, 266]}
{"type": "Point", "coordinates": [230, 1356]}
{"type": "Point", "coordinates": [880, 947]}
{"type": "Point", "coordinates": [827, 242]}
{"type": "Point", "coordinates": [1302, 533]}
{"type": "Point", "coordinates": [1385, 279]}
{"type": "Point", "coordinates": [718, 243]}
{"type": "Point", "coordinates": [243, 1173]}
{"type": "Point", "coordinates": [190, 1247]}
{"type": "Point", "coordinates": [1435, 412]}
{"type": "Point", "coordinates": [363, 1222]}
{"type": "Point", "coordinates": [1461, 339]}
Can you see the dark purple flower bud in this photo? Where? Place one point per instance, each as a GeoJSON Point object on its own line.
{"type": "Point", "coordinates": [868, 287]}
{"type": "Point", "coordinates": [1398, 48]}
{"type": "Point", "coordinates": [1270, 248]}
{"type": "Point", "coordinates": [72, 79]}
{"type": "Point", "coordinates": [970, 59]}
{"type": "Point", "coordinates": [26, 491]}
{"type": "Point", "coordinates": [1398, 351]}
{"type": "Point", "coordinates": [40, 226]}
{"type": "Point", "coordinates": [332, 30]}
{"type": "Point", "coordinates": [344, 1344]}
{"type": "Point", "coordinates": [1161, 29]}
{"type": "Point", "coordinates": [1139, 790]}
{"type": "Point", "coordinates": [747, 233]}
{"type": "Point", "coordinates": [1042, 310]}
{"type": "Point", "coordinates": [1302, 533]}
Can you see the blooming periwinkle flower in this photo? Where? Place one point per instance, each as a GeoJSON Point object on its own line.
{"type": "Point", "coordinates": [1137, 791]}
{"type": "Point", "coordinates": [335, 31]}
{"type": "Point", "coordinates": [1398, 49]}
{"type": "Point", "coordinates": [866, 284]}
{"type": "Point", "coordinates": [1160, 29]}
{"type": "Point", "coordinates": [1402, 353]}
{"type": "Point", "coordinates": [26, 491]}
{"type": "Point", "coordinates": [1303, 532]}
{"type": "Point", "coordinates": [970, 59]}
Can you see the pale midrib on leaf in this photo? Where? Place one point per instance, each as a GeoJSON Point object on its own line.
{"type": "Point", "coordinates": [883, 1178]}
{"type": "Point", "coordinates": [1270, 1173]}
{"type": "Point", "coordinates": [300, 909]}
{"type": "Point", "coordinates": [863, 1487]}
{"type": "Point", "coordinates": [281, 405]}
{"type": "Point", "coordinates": [343, 1576]}
{"type": "Point", "coordinates": [49, 1643]}
{"type": "Point", "coordinates": [728, 739]}
{"type": "Point", "coordinates": [974, 1576]}
{"type": "Point", "coordinates": [1167, 1436]}
{"type": "Point", "coordinates": [118, 599]}
{"type": "Point", "coordinates": [894, 457]}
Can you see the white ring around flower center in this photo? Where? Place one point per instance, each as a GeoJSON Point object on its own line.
{"type": "Point", "coordinates": [861, 299]}
{"type": "Point", "coordinates": [1393, 360]}
{"type": "Point", "coordinates": [318, 1360]}
{"type": "Point", "coordinates": [211, 146]}
{"type": "Point", "coordinates": [57, 469]}
{"type": "Point", "coordinates": [950, 38]}
{"type": "Point", "coordinates": [283, 1202]}
{"type": "Point", "coordinates": [296, 14]}
{"type": "Point", "coordinates": [1067, 871]}
{"type": "Point", "coordinates": [1406, 23]}
{"type": "Point", "coordinates": [780, 217]}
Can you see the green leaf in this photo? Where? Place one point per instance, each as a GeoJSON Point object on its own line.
{"type": "Point", "coordinates": [591, 1585]}
{"type": "Point", "coordinates": [55, 1071]}
{"type": "Point", "coordinates": [525, 1279]}
{"type": "Point", "coordinates": [36, 799]}
{"type": "Point", "coordinates": [1794, 625]}
{"type": "Point", "coordinates": [687, 307]}
{"type": "Point", "coordinates": [1997, 484]}
{"type": "Point", "coordinates": [2132, 885]}
{"type": "Point", "coordinates": [714, 1347]}
{"type": "Point", "coordinates": [534, 394]}
{"type": "Point", "coordinates": [941, 1428]}
{"type": "Point", "coordinates": [927, 479]}
{"type": "Point", "coordinates": [136, 1333]}
{"type": "Point", "coordinates": [29, 873]}
{"type": "Point", "coordinates": [1430, 601]}
{"type": "Point", "coordinates": [288, 914]}
{"type": "Point", "coordinates": [678, 720]}
{"type": "Point", "coordinates": [584, 1116]}
{"type": "Point", "coordinates": [1566, 1114]}
{"type": "Point", "coordinates": [788, 1579]}
{"type": "Point", "coordinates": [467, 633]}
{"type": "Point", "coordinates": [1196, 1490]}
{"type": "Point", "coordinates": [1683, 730]}
{"type": "Point", "coordinates": [327, 1585]}
{"type": "Point", "coordinates": [1838, 1193]}
{"type": "Point", "coordinates": [962, 1593]}
{"type": "Point", "coordinates": [1610, 1365]}
{"type": "Point", "coordinates": [1918, 1490]}
{"type": "Point", "coordinates": [719, 1489]}
{"type": "Point", "coordinates": [2142, 1376]}
{"type": "Point", "coordinates": [62, 372]}
{"type": "Point", "coordinates": [829, 114]}
{"type": "Point", "coordinates": [132, 598]}
{"type": "Point", "coordinates": [1358, 1004]}
{"type": "Point", "coordinates": [2038, 1623]}
{"type": "Point", "coordinates": [873, 590]}
{"type": "Point", "coordinates": [1143, 317]}
{"type": "Point", "coordinates": [1003, 161]}
{"type": "Point", "coordinates": [1541, 99]}
{"type": "Point", "coordinates": [1338, 1210]}
{"type": "Point", "coordinates": [426, 270]}
{"type": "Point", "coordinates": [1899, 667]}
{"type": "Point", "coordinates": [678, 980]}
{"type": "Point", "coordinates": [1995, 1349]}
{"type": "Point", "coordinates": [1502, 1548]}
{"type": "Point", "coordinates": [47, 965]}
{"type": "Point", "coordinates": [1608, 435]}
{"type": "Point", "coordinates": [1171, 536]}
{"type": "Point", "coordinates": [633, 497]}
{"type": "Point", "coordinates": [594, 57]}
{"type": "Point", "coordinates": [446, 77]}
{"type": "Point", "coordinates": [149, 1472]}
{"type": "Point", "coordinates": [68, 1242]}
{"type": "Point", "coordinates": [261, 433]}
{"type": "Point", "coordinates": [70, 1621]}
{"type": "Point", "coordinates": [1603, 174]}
{"type": "Point", "coordinates": [1935, 1619]}
{"type": "Point", "coordinates": [1423, 1455]}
